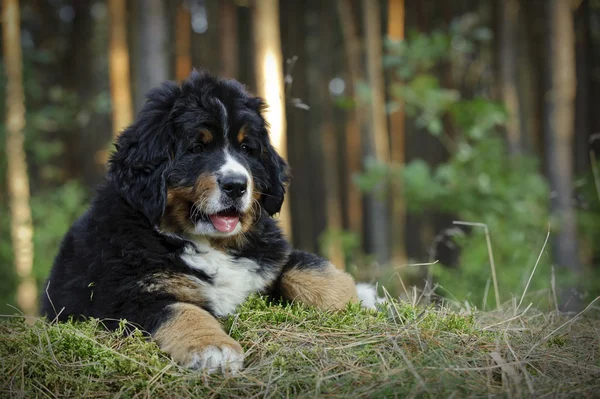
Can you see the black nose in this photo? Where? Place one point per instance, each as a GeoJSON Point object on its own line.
{"type": "Point", "coordinates": [234, 186]}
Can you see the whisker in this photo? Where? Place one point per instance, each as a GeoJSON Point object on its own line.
{"type": "Point", "coordinates": [265, 194]}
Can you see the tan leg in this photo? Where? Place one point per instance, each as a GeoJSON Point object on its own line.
{"type": "Point", "coordinates": [195, 339]}
{"type": "Point", "coordinates": [325, 287]}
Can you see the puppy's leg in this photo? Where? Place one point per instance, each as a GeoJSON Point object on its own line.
{"type": "Point", "coordinates": [312, 280]}
{"type": "Point", "coordinates": [195, 339]}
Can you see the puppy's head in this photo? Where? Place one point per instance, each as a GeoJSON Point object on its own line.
{"type": "Point", "coordinates": [198, 159]}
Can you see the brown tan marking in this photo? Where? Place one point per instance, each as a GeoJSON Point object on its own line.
{"type": "Point", "coordinates": [179, 206]}
{"type": "Point", "coordinates": [241, 134]}
{"type": "Point", "coordinates": [330, 288]}
{"type": "Point", "coordinates": [181, 286]}
{"type": "Point", "coordinates": [180, 201]}
{"type": "Point", "coordinates": [189, 331]}
{"type": "Point", "coordinates": [205, 136]}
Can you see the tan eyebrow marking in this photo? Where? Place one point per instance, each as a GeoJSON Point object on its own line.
{"type": "Point", "coordinates": [241, 134]}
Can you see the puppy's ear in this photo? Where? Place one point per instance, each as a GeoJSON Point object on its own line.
{"type": "Point", "coordinates": [143, 153]}
{"type": "Point", "coordinates": [279, 177]}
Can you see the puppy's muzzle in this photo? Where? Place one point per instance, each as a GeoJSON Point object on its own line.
{"type": "Point", "coordinates": [234, 186]}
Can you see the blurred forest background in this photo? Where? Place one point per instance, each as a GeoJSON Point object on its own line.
{"type": "Point", "coordinates": [402, 118]}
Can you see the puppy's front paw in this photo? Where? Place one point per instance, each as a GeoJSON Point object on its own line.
{"type": "Point", "coordinates": [228, 359]}
{"type": "Point", "coordinates": [194, 339]}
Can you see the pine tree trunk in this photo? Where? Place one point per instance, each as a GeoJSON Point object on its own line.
{"type": "Point", "coordinates": [118, 58]}
{"type": "Point", "coordinates": [229, 38]}
{"type": "Point", "coordinates": [397, 143]}
{"type": "Point", "coordinates": [151, 63]}
{"type": "Point", "coordinates": [584, 50]}
{"type": "Point", "coordinates": [18, 181]}
{"type": "Point", "coordinates": [183, 40]}
{"type": "Point", "coordinates": [325, 185]}
{"type": "Point", "coordinates": [559, 119]}
{"type": "Point", "coordinates": [355, 123]}
{"type": "Point", "coordinates": [269, 77]}
{"type": "Point", "coordinates": [376, 144]}
{"type": "Point", "coordinates": [509, 13]}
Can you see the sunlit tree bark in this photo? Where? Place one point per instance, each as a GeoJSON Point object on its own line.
{"type": "Point", "coordinates": [183, 39]}
{"type": "Point", "coordinates": [118, 58]}
{"type": "Point", "coordinates": [269, 77]}
{"type": "Point", "coordinates": [509, 13]}
{"type": "Point", "coordinates": [18, 181]}
{"type": "Point", "coordinates": [397, 142]}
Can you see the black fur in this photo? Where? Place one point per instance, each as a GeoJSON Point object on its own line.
{"type": "Point", "coordinates": [115, 249]}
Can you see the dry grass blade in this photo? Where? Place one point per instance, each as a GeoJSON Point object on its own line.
{"type": "Point", "coordinates": [295, 351]}
{"type": "Point", "coordinates": [490, 255]}
{"type": "Point", "coordinates": [533, 271]}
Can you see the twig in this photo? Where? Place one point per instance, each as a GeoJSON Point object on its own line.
{"type": "Point", "coordinates": [418, 264]}
{"type": "Point", "coordinates": [288, 81]}
{"type": "Point", "coordinates": [490, 255]}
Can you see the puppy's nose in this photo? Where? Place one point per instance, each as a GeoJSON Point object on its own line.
{"type": "Point", "coordinates": [234, 185]}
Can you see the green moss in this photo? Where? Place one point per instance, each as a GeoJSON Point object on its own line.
{"type": "Point", "coordinates": [294, 350]}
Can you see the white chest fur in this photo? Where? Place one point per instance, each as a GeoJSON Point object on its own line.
{"type": "Point", "coordinates": [233, 279]}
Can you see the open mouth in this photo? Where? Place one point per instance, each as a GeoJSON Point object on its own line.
{"type": "Point", "coordinates": [224, 221]}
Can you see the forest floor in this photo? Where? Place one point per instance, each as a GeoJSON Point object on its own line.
{"type": "Point", "coordinates": [403, 350]}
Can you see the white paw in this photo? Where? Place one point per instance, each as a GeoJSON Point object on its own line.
{"type": "Point", "coordinates": [212, 359]}
{"type": "Point", "coordinates": [367, 294]}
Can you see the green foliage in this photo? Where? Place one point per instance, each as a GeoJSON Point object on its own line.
{"type": "Point", "coordinates": [479, 182]}
{"type": "Point", "coordinates": [53, 214]}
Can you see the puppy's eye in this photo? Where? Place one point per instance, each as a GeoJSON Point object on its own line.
{"type": "Point", "coordinates": [197, 148]}
{"type": "Point", "coordinates": [246, 149]}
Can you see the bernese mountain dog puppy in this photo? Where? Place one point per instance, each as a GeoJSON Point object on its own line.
{"type": "Point", "coordinates": [181, 231]}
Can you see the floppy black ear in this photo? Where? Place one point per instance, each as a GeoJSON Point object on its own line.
{"type": "Point", "coordinates": [279, 177]}
{"type": "Point", "coordinates": [143, 153]}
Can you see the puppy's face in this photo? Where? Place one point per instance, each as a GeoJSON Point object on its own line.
{"type": "Point", "coordinates": [198, 159]}
{"type": "Point", "coordinates": [213, 183]}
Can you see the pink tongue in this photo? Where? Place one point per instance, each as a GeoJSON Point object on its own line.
{"type": "Point", "coordinates": [224, 223]}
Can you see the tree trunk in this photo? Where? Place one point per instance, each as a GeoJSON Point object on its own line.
{"type": "Point", "coordinates": [183, 40]}
{"type": "Point", "coordinates": [397, 143]}
{"type": "Point", "coordinates": [21, 227]}
{"type": "Point", "coordinates": [376, 144]}
{"type": "Point", "coordinates": [509, 15]}
{"type": "Point", "coordinates": [583, 100]}
{"type": "Point", "coordinates": [559, 118]}
{"type": "Point", "coordinates": [151, 64]}
{"type": "Point", "coordinates": [355, 123]}
{"type": "Point", "coordinates": [321, 132]}
{"type": "Point", "coordinates": [269, 77]}
{"type": "Point", "coordinates": [118, 58]}
{"type": "Point", "coordinates": [294, 37]}
{"type": "Point", "coordinates": [229, 39]}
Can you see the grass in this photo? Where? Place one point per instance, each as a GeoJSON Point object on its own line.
{"type": "Point", "coordinates": [402, 350]}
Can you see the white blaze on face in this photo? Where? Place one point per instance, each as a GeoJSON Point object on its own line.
{"type": "Point", "coordinates": [233, 167]}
